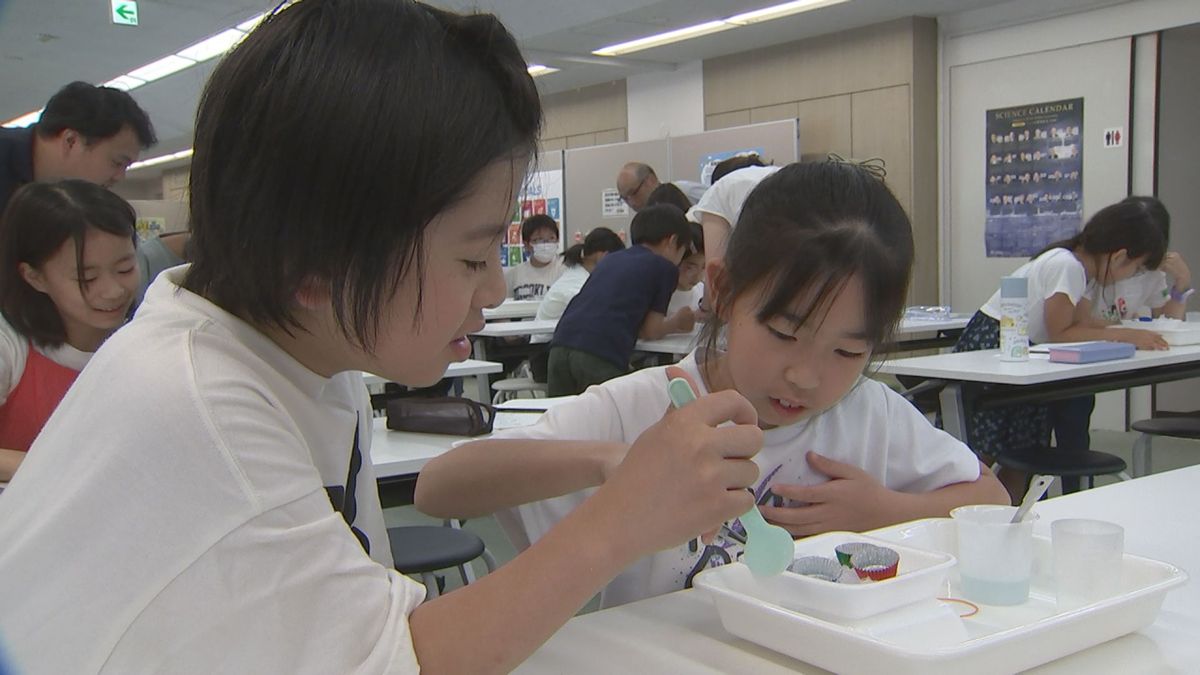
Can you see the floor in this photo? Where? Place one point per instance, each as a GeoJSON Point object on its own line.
{"type": "Point", "coordinates": [1169, 453]}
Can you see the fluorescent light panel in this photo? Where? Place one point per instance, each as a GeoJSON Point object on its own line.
{"type": "Point", "coordinates": [161, 68]}
{"type": "Point", "coordinates": [124, 83]}
{"type": "Point", "coordinates": [24, 120]}
{"type": "Point", "coordinates": [213, 46]}
{"type": "Point", "coordinates": [537, 70]}
{"type": "Point", "coordinates": [161, 159]}
{"type": "Point", "coordinates": [710, 27]}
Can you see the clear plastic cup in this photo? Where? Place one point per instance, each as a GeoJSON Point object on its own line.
{"type": "Point", "coordinates": [1087, 560]}
{"type": "Point", "coordinates": [995, 557]}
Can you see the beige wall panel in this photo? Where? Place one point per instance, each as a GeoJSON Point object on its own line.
{"type": "Point", "coordinates": [581, 141]}
{"type": "Point", "coordinates": [548, 144]}
{"type": "Point", "coordinates": [925, 165]}
{"type": "Point", "coordinates": [824, 127]}
{"type": "Point", "coordinates": [725, 120]}
{"type": "Point", "coordinates": [771, 113]}
{"type": "Point", "coordinates": [610, 136]}
{"type": "Point", "coordinates": [871, 57]}
{"type": "Point", "coordinates": [588, 110]}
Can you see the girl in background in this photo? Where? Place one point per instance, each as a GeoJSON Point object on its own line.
{"type": "Point", "coordinates": [1118, 242]}
{"type": "Point", "coordinates": [68, 276]}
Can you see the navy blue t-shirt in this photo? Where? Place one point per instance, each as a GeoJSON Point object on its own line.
{"type": "Point", "coordinates": [16, 161]}
{"type": "Point", "coordinates": [603, 319]}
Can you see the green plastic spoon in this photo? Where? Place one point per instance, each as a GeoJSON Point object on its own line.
{"type": "Point", "coordinates": [769, 548]}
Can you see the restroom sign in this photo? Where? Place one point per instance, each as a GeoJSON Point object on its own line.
{"type": "Point", "coordinates": [1114, 137]}
{"type": "Point", "coordinates": [124, 12]}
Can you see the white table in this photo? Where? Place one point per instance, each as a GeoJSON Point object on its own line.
{"type": "Point", "coordinates": [980, 380]}
{"type": "Point", "coordinates": [945, 329]}
{"type": "Point", "coordinates": [681, 633]}
{"type": "Point", "coordinates": [508, 329]}
{"type": "Point", "coordinates": [512, 309]}
{"type": "Point", "coordinates": [476, 368]}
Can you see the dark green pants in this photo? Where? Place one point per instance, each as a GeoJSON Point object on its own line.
{"type": "Point", "coordinates": [570, 371]}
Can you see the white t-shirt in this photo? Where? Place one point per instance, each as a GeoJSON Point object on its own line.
{"type": "Point", "coordinates": [526, 282]}
{"type": "Point", "coordinates": [726, 196]}
{"type": "Point", "coordinates": [1055, 271]}
{"type": "Point", "coordinates": [173, 516]}
{"type": "Point", "coordinates": [1149, 290]}
{"type": "Point", "coordinates": [555, 301]}
{"type": "Point", "coordinates": [681, 299]}
{"type": "Point", "coordinates": [14, 352]}
{"type": "Point", "coordinates": [872, 427]}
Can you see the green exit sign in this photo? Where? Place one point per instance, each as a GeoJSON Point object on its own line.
{"type": "Point", "coordinates": [124, 12]}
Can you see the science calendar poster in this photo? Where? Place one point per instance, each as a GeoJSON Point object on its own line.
{"type": "Point", "coordinates": [1034, 177]}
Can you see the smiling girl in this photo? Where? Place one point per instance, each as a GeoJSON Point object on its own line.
{"type": "Point", "coordinates": [67, 278]}
{"type": "Point", "coordinates": [812, 282]}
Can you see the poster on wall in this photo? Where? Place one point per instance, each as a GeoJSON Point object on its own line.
{"type": "Point", "coordinates": [542, 194]}
{"type": "Point", "coordinates": [1034, 191]}
{"type": "Point", "coordinates": [710, 161]}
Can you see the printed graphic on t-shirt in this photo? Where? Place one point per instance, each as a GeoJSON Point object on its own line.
{"type": "Point", "coordinates": [529, 291]}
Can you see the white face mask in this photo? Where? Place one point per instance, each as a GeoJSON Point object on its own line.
{"type": "Point", "coordinates": [544, 253]}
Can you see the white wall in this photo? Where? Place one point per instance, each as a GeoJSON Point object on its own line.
{"type": "Point", "coordinates": [664, 104]}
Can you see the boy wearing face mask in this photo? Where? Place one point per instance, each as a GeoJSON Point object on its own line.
{"type": "Point", "coordinates": [531, 279]}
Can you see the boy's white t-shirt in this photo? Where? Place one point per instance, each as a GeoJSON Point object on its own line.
{"type": "Point", "coordinates": [555, 301]}
{"type": "Point", "coordinates": [1126, 298]}
{"type": "Point", "coordinates": [1055, 271]}
{"type": "Point", "coordinates": [726, 196]}
{"type": "Point", "coordinates": [681, 299]}
{"type": "Point", "coordinates": [526, 282]}
{"type": "Point", "coordinates": [872, 427]}
{"type": "Point", "coordinates": [173, 516]}
{"type": "Point", "coordinates": [14, 353]}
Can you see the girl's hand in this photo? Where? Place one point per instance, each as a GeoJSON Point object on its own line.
{"type": "Point", "coordinates": [1175, 267]}
{"type": "Point", "coordinates": [1142, 339]}
{"type": "Point", "coordinates": [850, 500]}
{"type": "Point", "coordinates": [684, 475]}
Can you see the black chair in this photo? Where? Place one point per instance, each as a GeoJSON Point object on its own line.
{"type": "Point", "coordinates": [1070, 465]}
{"type": "Point", "coordinates": [424, 549]}
{"type": "Point", "coordinates": [1175, 427]}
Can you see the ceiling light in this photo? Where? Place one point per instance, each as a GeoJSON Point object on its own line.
{"type": "Point", "coordinates": [661, 39]}
{"type": "Point", "coordinates": [124, 83]}
{"type": "Point", "coordinates": [710, 27]}
{"type": "Point", "coordinates": [161, 159]}
{"type": "Point", "coordinates": [780, 11]}
{"type": "Point", "coordinates": [161, 68]}
{"type": "Point", "coordinates": [536, 70]}
{"type": "Point", "coordinates": [249, 24]}
{"type": "Point", "coordinates": [213, 46]}
{"type": "Point", "coordinates": [24, 120]}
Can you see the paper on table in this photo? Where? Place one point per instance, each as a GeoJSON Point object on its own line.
{"type": "Point", "coordinates": [1044, 347]}
{"type": "Point", "coordinates": [514, 420]}
{"type": "Point", "coordinates": [533, 403]}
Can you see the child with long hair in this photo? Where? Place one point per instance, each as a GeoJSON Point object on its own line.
{"type": "Point", "coordinates": [68, 276]}
{"type": "Point", "coordinates": [812, 283]}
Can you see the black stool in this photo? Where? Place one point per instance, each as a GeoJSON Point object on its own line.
{"type": "Point", "coordinates": [423, 549]}
{"type": "Point", "coordinates": [1175, 427]}
{"type": "Point", "coordinates": [1065, 464]}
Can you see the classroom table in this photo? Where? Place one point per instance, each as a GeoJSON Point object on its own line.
{"type": "Point", "coordinates": [477, 368]}
{"type": "Point", "coordinates": [681, 632]}
{"type": "Point", "coordinates": [979, 380]}
{"type": "Point", "coordinates": [512, 309]}
{"type": "Point", "coordinates": [508, 329]}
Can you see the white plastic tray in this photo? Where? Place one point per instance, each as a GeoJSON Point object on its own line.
{"type": "Point", "coordinates": [922, 575]}
{"type": "Point", "coordinates": [1174, 331]}
{"type": "Point", "coordinates": [997, 639]}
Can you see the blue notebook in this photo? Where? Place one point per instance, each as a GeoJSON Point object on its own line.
{"type": "Point", "coordinates": [1091, 352]}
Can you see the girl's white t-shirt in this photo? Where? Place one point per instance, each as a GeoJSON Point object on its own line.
{"type": "Point", "coordinates": [555, 301]}
{"type": "Point", "coordinates": [1055, 271]}
{"type": "Point", "coordinates": [1149, 290]}
{"type": "Point", "coordinates": [726, 196]}
{"type": "Point", "coordinates": [872, 427]}
{"type": "Point", "coordinates": [14, 353]}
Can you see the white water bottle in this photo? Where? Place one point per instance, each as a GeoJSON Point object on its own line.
{"type": "Point", "coordinates": [1014, 319]}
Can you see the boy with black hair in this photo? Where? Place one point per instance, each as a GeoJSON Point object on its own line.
{"type": "Point", "coordinates": [531, 279]}
{"type": "Point", "coordinates": [624, 299]}
{"type": "Point", "coordinates": [87, 132]}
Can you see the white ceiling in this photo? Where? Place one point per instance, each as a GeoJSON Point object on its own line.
{"type": "Point", "coordinates": [47, 43]}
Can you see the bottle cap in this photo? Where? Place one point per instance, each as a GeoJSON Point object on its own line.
{"type": "Point", "coordinates": [1014, 287]}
